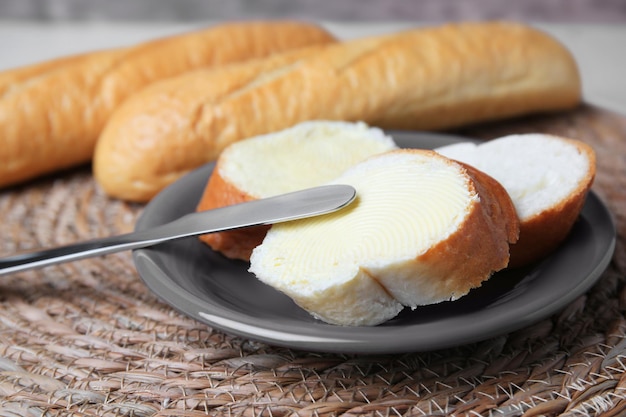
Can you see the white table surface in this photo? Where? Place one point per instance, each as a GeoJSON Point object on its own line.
{"type": "Point", "coordinates": [600, 50]}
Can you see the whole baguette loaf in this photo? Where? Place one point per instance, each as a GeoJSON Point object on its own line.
{"type": "Point", "coordinates": [52, 113]}
{"type": "Point", "coordinates": [423, 229]}
{"type": "Point", "coordinates": [427, 78]}
{"type": "Point", "coordinates": [308, 154]}
{"type": "Point", "coordinates": [547, 177]}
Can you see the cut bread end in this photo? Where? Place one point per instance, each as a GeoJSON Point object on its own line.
{"type": "Point", "coordinates": [424, 229]}
{"type": "Point", "coordinates": [547, 177]}
{"type": "Point", "coordinates": [306, 155]}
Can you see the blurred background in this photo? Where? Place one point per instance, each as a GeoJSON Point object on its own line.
{"type": "Point", "coordinates": [561, 11]}
{"type": "Point", "coordinates": [36, 30]}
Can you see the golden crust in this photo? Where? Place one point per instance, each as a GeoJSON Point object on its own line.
{"type": "Point", "coordinates": [235, 244]}
{"type": "Point", "coordinates": [480, 246]}
{"type": "Point", "coordinates": [158, 135]}
{"type": "Point", "coordinates": [52, 113]}
{"type": "Point", "coordinates": [424, 79]}
{"type": "Point", "coordinates": [541, 234]}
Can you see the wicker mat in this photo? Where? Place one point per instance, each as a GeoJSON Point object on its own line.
{"type": "Point", "coordinates": [88, 338]}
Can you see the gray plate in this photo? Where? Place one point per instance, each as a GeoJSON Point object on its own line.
{"type": "Point", "coordinates": [221, 293]}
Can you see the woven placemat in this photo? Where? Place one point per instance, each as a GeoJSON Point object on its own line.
{"type": "Point", "coordinates": [88, 338]}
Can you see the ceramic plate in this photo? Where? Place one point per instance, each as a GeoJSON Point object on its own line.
{"type": "Point", "coordinates": [221, 293]}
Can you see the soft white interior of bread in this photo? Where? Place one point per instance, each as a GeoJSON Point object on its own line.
{"type": "Point", "coordinates": [537, 170]}
{"type": "Point", "coordinates": [303, 156]}
{"type": "Point", "coordinates": [336, 266]}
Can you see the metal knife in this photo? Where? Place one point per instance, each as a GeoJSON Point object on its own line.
{"type": "Point", "coordinates": [285, 207]}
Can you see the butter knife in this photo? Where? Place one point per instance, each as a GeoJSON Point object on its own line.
{"type": "Point", "coordinates": [285, 207]}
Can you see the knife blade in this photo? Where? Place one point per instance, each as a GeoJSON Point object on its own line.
{"type": "Point", "coordinates": [285, 207]}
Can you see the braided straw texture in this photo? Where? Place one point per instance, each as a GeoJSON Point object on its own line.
{"type": "Point", "coordinates": [88, 338]}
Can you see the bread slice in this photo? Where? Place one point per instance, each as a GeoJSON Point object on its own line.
{"type": "Point", "coordinates": [547, 177]}
{"type": "Point", "coordinates": [302, 156]}
{"type": "Point", "coordinates": [424, 229]}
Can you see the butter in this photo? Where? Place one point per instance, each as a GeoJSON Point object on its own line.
{"type": "Point", "coordinates": [405, 204]}
{"type": "Point", "coordinates": [304, 156]}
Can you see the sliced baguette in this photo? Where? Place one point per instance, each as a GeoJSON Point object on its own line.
{"type": "Point", "coordinates": [422, 79]}
{"type": "Point", "coordinates": [303, 156]}
{"type": "Point", "coordinates": [547, 177]}
{"type": "Point", "coordinates": [424, 229]}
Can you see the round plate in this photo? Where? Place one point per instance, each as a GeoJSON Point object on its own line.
{"type": "Point", "coordinates": [223, 294]}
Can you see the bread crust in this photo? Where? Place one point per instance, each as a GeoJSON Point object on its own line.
{"type": "Point", "coordinates": [424, 79]}
{"type": "Point", "coordinates": [235, 244]}
{"type": "Point", "coordinates": [550, 199]}
{"type": "Point", "coordinates": [483, 241]}
{"type": "Point", "coordinates": [543, 233]}
{"type": "Point", "coordinates": [52, 113]}
{"type": "Point", "coordinates": [157, 135]}
{"type": "Point", "coordinates": [470, 255]}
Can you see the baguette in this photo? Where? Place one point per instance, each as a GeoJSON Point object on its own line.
{"type": "Point", "coordinates": [423, 79]}
{"type": "Point", "coordinates": [424, 229]}
{"type": "Point", "coordinates": [303, 156]}
{"type": "Point", "coordinates": [547, 177]}
{"type": "Point", "coordinates": [52, 113]}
